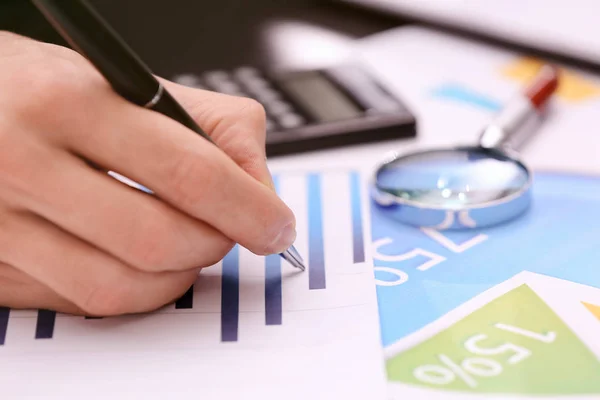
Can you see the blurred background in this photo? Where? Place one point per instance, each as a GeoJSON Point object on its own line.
{"type": "Point", "coordinates": [184, 39]}
{"type": "Point", "coordinates": [196, 36]}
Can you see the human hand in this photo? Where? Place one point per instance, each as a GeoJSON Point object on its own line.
{"type": "Point", "coordinates": [75, 240]}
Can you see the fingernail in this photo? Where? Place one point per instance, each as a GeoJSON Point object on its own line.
{"type": "Point", "coordinates": [283, 241]}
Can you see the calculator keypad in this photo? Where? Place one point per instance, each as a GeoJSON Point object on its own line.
{"type": "Point", "coordinates": [252, 83]}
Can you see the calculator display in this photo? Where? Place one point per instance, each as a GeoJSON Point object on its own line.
{"type": "Point", "coordinates": [314, 109]}
{"type": "Point", "coordinates": [319, 97]}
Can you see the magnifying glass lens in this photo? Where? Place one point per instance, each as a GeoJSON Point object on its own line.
{"type": "Point", "coordinates": [453, 178]}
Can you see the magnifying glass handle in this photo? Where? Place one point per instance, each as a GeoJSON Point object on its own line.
{"type": "Point", "coordinates": [521, 116]}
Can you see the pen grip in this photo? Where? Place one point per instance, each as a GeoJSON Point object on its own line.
{"type": "Point", "coordinates": [86, 32]}
{"type": "Point", "coordinates": [167, 105]}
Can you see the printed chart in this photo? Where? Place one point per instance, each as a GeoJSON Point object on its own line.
{"type": "Point", "coordinates": [250, 324]}
{"type": "Point", "coordinates": [510, 310]}
{"type": "Point", "coordinates": [515, 342]}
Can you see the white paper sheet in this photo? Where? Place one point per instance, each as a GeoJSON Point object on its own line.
{"type": "Point", "coordinates": [508, 312]}
{"type": "Point", "coordinates": [324, 344]}
{"type": "Point", "coordinates": [419, 64]}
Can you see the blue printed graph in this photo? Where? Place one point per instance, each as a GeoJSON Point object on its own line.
{"type": "Point", "coordinates": [316, 256]}
{"type": "Point", "coordinates": [46, 320]}
{"type": "Point", "coordinates": [230, 296]}
{"type": "Point", "coordinates": [187, 300]}
{"type": "Point", "coordinates": [357, 220]}
{"type": "Point", "coordinates": [44, 328]}
{"type": "Point", "coordinates": [422, 275]}
{"type": "Point", "coordinates": [273, 290]}
{"type": "Point", "coordinates": [462, 94]}
{"type": "Point", "coordinates": [4, 314]}
{"type": "Point", "coordinates": [273, 279]}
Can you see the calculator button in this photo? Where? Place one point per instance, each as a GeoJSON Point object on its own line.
{"type": "Point", "coordinates": [217, 76]}
{"type": "Point", "coordinates": [270, 125]}
{"type": "Point", "coordinates": [227, 87]}
{"type": "Point", "coordinates": [267, 96]}
{"type": "Point", "coordinates": [256, 85]}
{"type": "Point", "coordinates": [291, 120]}
{"type": "Point", "coordinates": [215, 80]}
{"type": "Point", "coordinates": [244, 73]}
{"type": "Point", "coordinates": [278, 107]}
{"type": "Point", "coordinates": [362, 87]}
{"type": "Point", "coordinates": [189, 80]}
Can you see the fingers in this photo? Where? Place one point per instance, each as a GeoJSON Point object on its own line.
{"type": "Point", "coordinates": [186, 171]}
{"type": "Point", "coordinates": [70, 106]}
{"type": "Point", "coordinates": [136, 228]}
{"type": "Point", "coordinates": [82, 241]}
{"type": "Point", "coordinates": [241, 126]}
{"type": "Point", "coordinates": [92, 280]}
{"type": "Point", "coordinates": [20, 291]}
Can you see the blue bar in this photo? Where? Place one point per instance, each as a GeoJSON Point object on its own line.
{"type": "Point", "coordinates": [273, 292]}
{"type": "Point", "coordinates": [316, 255]}
{"type": "Point", "coordinates": [230, 296]}
{"type": "Point", "coordinates": [461, 94]}
{"type": "Point", "coordinates": [4, 314]}
{"type": "Point", "coordinates": [44, 328]}
{"type": "Point", "coordinates": [187, 300]}
{"type": "Point", "coordinates": [358, 240]}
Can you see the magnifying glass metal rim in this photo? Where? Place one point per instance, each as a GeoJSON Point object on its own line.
{"type": "Point", "coordinates": [386, 198]}
{"type": "Point", "coordinates": [507, 131]}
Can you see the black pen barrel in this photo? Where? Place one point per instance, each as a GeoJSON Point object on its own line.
{"type": "Point", "coordinates": [85, 30]}
{"type": "Point", "coordinates": [90, 35]}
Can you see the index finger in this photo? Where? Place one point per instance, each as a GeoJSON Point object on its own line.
{"type": "Point", "coordinates": [185, 170]}
{"type": "Point", "coordinates": [236, 124]}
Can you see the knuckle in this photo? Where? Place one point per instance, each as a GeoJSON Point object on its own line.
{"type": "Point", "coordinates": [54, 86]}
{"type": "Point", "coordinates": [253, 109]}
{"type": "Point", "coordinates": [248, 131]}
{"type": "Point", "coordinates": [49, 89]}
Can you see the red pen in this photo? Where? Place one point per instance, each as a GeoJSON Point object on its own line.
{"type": "Point", "coordinates": [516, 121]}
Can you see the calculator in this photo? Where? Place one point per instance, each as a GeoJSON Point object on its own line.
{"type": "Point", "coordinates": [310, 110]}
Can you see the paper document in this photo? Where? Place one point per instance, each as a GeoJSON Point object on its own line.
{"type": "Point", "coordinates": [251, 328]}
{"type": "Point", "coordinates": [455, 86]}
{"type": "Point", "coordinates": [510, 311]}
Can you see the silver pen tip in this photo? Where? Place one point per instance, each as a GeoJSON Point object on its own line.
{"type": "Point", "coordinates": [292, 256]}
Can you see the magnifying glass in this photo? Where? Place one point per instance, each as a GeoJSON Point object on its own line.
{"type": "Point", "coordinates": [470, 186]}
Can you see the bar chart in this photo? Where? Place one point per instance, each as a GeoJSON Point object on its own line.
{"type": "Point", "coordinates": [273, 290]}
{"type": "Point", "coordinates": [4, 313]}
{"type": "Point", "coordinates": [313, 190]}
{"type": "Point", "coordinates": [250, 324]}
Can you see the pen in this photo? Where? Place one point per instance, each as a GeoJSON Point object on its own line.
{"type": "Point", "coordinates": [513, 125]}
{"type": "Point", "coordinates": [90, 35]}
